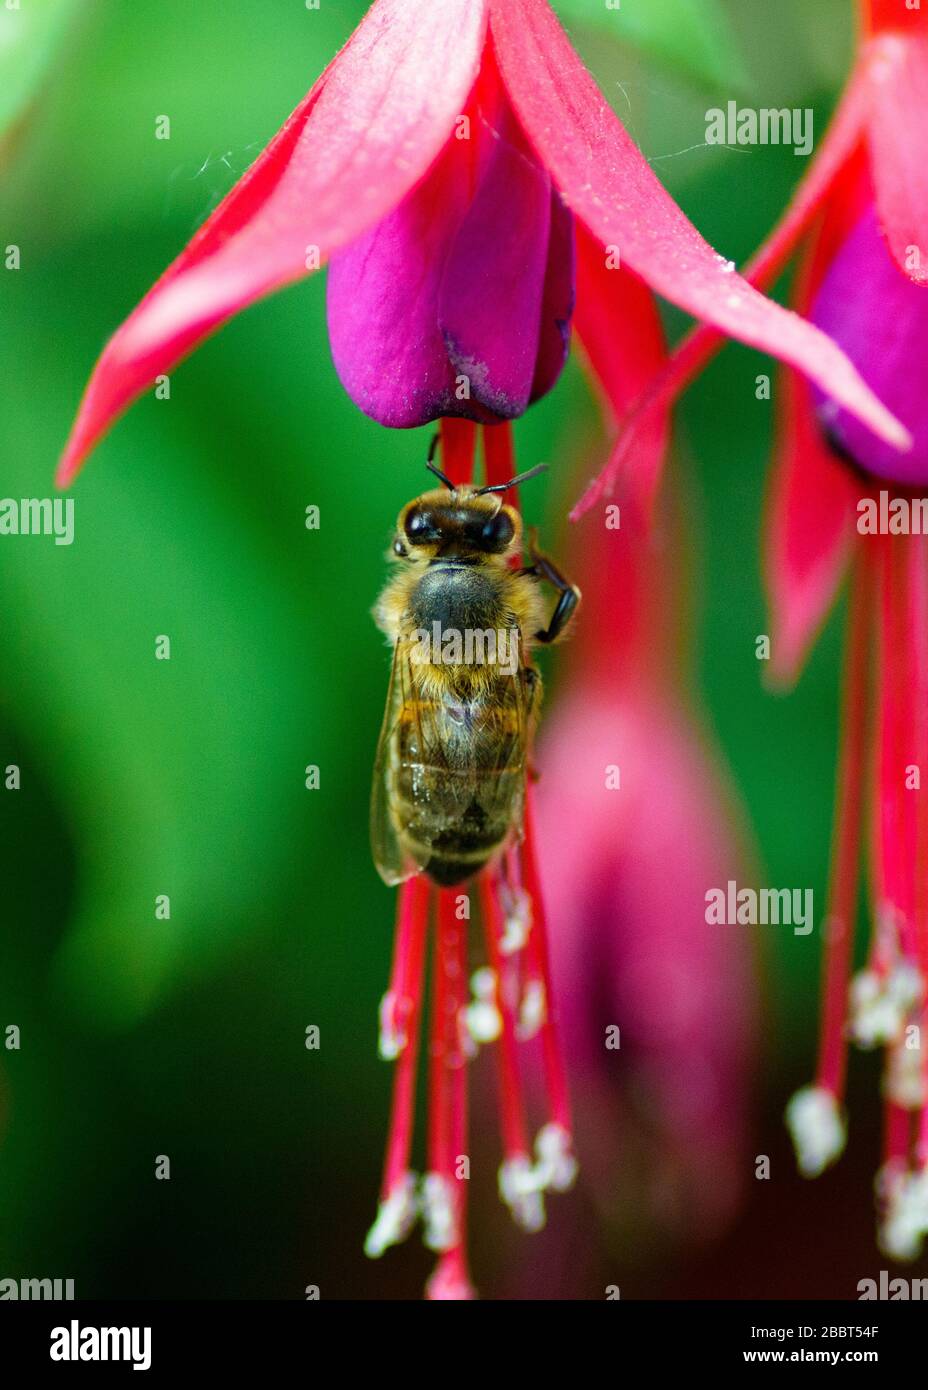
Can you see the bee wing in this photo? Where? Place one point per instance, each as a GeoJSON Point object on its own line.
{"type": "Point", "coordinates": [501, 792]}
{"type": "Point", "coordinates": [496, 788]}
{"type": "Point", "coordinates": [395, 863]}
{"type": "Point", "coordinates": [414, 735]}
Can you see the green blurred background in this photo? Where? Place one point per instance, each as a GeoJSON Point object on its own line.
{"type": "Point", "coordinates": [186, 777]}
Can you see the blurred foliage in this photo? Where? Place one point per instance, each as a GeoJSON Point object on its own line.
{"type": "Point", "coordinates": [30, 35]}
{"type": "Point", "coordinates": [141, 777]}
{"type": "Point", "coordinates": [691, 37]}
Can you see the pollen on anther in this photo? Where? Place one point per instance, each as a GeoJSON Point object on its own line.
{"type": "Point", "coordinates": [482, 1018]}
{"type": "Point", "coordinates": [437, 1204]}
{"type": "Point", "coordinates": [396, 1216]}
{"type": "Point", "coordinates": [532, 1010]}
{"type": "Point", "coordinates": [556, 1163]}
{"type": "Point", "coordinates": [905, 1077]}
{"type": "Point", "coordinates": [517, 908]}
{"type": "Point", "coordinates": [881, 1003]}
{"type": "Point", "coordinates": [392, 1037]}
{"type": "Point", "coordinates": [905, 1224]}
{"type": "Point", "coordinates": [817, 1127]}
{"type": "Point", "coordinates": [520, 1189]}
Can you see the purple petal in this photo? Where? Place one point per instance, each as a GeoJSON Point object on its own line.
{"type": "Point", "coordinates": [459, 302]}
{"type": "Point", "coordinates": [383, 296]}
{"type": "Point", "coordinates": [880, 319]}
{"type": "Point", "coordinates": [494, 283]}
{"type": "Point", "coordinates": [560, 293]}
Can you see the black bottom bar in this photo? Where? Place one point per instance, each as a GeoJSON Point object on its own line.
{"type": "Point", "coordinates": [238, 1338]}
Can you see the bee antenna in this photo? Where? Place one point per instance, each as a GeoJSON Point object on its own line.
{"type": "Point", "coordinates": [513, 482]}
{"type": "Point", "coordinates": [440, 475]}
{"type": "Point", "coordinates": [431, 465]}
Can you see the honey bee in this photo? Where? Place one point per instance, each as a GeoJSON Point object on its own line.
{"type": "Point", "coordinates": [464, 697]}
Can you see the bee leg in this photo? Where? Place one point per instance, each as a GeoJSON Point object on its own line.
{"type": "Point", "coordinates": [568, 594]}
{"type": "Point", "coordinates": [532, 690]}
{"type": "Point", "coordinates": [530, 676]}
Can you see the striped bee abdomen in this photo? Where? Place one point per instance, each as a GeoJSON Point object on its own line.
{"type": "Point", "coordinates": [457, 779]}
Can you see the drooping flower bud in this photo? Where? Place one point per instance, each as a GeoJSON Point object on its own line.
{"type": "Point", "coordinates": [459, 302]}
{"type": "Point", "coordinates": [880, 318]}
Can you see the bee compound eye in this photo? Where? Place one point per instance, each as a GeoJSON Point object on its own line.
{"type": "Point", "coordinates": [497, 532]}
{"type": "Point", "coordinates": [420, 526]}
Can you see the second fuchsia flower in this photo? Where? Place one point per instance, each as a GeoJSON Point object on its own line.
{"type": "Point", "coordinates": [658, 1009]}
{"type": "Point", "coordinates": [841, 500]}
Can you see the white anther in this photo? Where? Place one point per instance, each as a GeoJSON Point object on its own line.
{"type": "Point", "coordinates": [437, 1205]}
{"type": "Point", "coordinates": [906, 1222]}
{"type": "Point", "coordinates": [875, 1014]}
{"type": "Point", "coordinates": [880, 1004]}
{"type": "Point", "coordinates": [817, 1127]}
{"type": "Point", "coordinates": [533, 1010]}
{"type": "Point", "coordinates": [556, 1165]}
{"type": "Point", "coordinates": [905, 1077]}
{"type": "Point", "coordinates": [396, 1216]}
{"type": "Point", "coordinates": [519, 1188]}
{"type": "Point", "coordinates": [517, 921]}
{"type": "Point", "coordinates": [887, 1179]}
{"type": "Point", "coordinates": [393, 1037]}
{"type": "Point", "coordinates": [906, 986]}
{"type": "Point", "coordinates": [482, 1018]}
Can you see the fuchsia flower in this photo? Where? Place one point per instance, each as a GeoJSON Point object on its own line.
{"type": "Point", "coordinates": [662, 1117]}
{"type": "Point", "coordinates": [451, 256]}
{"type": "Point", "coordinates": [464, 176]}
{"type": "Point", "coordinates": [840, 499]}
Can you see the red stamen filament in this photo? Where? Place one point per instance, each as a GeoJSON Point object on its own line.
{"type": "Point", "coordinates": [499, 455]}
{"type": "Point", "coordinates": [895, 723]}
{"type": "Point", "coordinates": [512, 1109]}
{"type": "Point", "coordinates": [405, 997]}
{"type": "Point", "coordinates": [919, 615]}
{"type": "Point", "coordinates": [555, 1072]}
{"type": "Point", "coordinates": [458, 442]}
{"type": "Point", "coordinates": [842, 891]}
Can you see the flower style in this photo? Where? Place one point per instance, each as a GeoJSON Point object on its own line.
{"type": "Point", "coordinates": [860, 220]}
{"type": "Point", "coordinates": [451, 279]}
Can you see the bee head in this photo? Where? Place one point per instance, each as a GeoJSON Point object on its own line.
{"type": "Point", "coordinates": [460, 523]}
